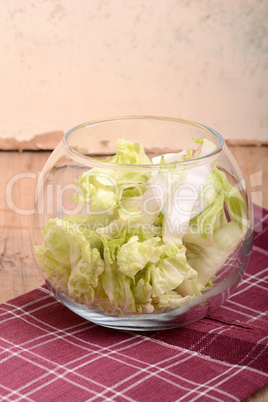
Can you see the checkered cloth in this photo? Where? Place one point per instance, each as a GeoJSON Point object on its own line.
{"type": "Point", "coordinates": [48, 353]}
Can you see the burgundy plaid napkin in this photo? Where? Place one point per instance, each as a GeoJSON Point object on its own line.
{"type": "Point", "coordinates": [48, 353]}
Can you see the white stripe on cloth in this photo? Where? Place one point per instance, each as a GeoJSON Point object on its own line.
{"type": "Point", "coordinates": [244, 307]}
{"type": "Point", "coordinates": [27, 304]}
{"type": "Point", "coordinates": [260, 250]}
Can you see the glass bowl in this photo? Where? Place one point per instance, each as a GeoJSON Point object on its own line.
{"type": "Point", "coordinates": [142, 222]}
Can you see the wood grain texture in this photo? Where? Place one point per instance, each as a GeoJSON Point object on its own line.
{"type": "Point", "coordinates": [253, 161]}
{"type": "Point", "coordinates": [48, 141]}
{"type": "Point", "coordinates": [260, 396]}
{"type": "Point", "coordinates": [18, 272]}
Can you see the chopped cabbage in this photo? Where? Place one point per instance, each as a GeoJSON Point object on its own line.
{"type": "Point", "coordinates": [149, 241]}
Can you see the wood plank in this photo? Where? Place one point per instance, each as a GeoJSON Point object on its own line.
{"type": "Point", "coordinates": [259, 396]}
{"type": "Point", "coordinates": [48, 141]}
{"type": "Point", "coordinates": [253, 161]}
{"type": "Point", "coordinates": [18, 271]}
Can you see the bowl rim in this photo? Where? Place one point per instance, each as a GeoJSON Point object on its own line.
{"type": "Point", "coordinates": [108, 164]}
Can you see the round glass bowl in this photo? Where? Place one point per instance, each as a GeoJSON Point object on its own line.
{"type": "Point", "coordinates": [142, 222]}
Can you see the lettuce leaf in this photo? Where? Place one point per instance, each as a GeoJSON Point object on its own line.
{"type": "Point", "coordinates": [142, 291]}
{"type": "Point", "coordinates": [118, 288]}
{"type": "Point", "coordinates": [207, 260]}
{"type": "Point", "coordinates": [134, 255]}
{"type": "Point", "coordinates": [85, 275]}
{"type": "Point", "coordinates": [183, 196]}
{"type": "Point", "coordinates": [102, 189]}
{"type": "Point", "coordinates": [170, 272]}
{"type": "Point", "coordinates": [130, 153]}
{"type": "Point", "coordinates": [170, 300]}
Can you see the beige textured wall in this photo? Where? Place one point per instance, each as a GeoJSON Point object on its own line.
{"type": "Point", "coordinates": [63, 62]}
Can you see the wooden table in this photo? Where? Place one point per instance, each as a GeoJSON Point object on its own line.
{"type": "Point", "coordinates": [18, 273]}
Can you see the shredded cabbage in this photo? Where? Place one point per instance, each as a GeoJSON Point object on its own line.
{"type": "Point", "coordinates": [149, 241]}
